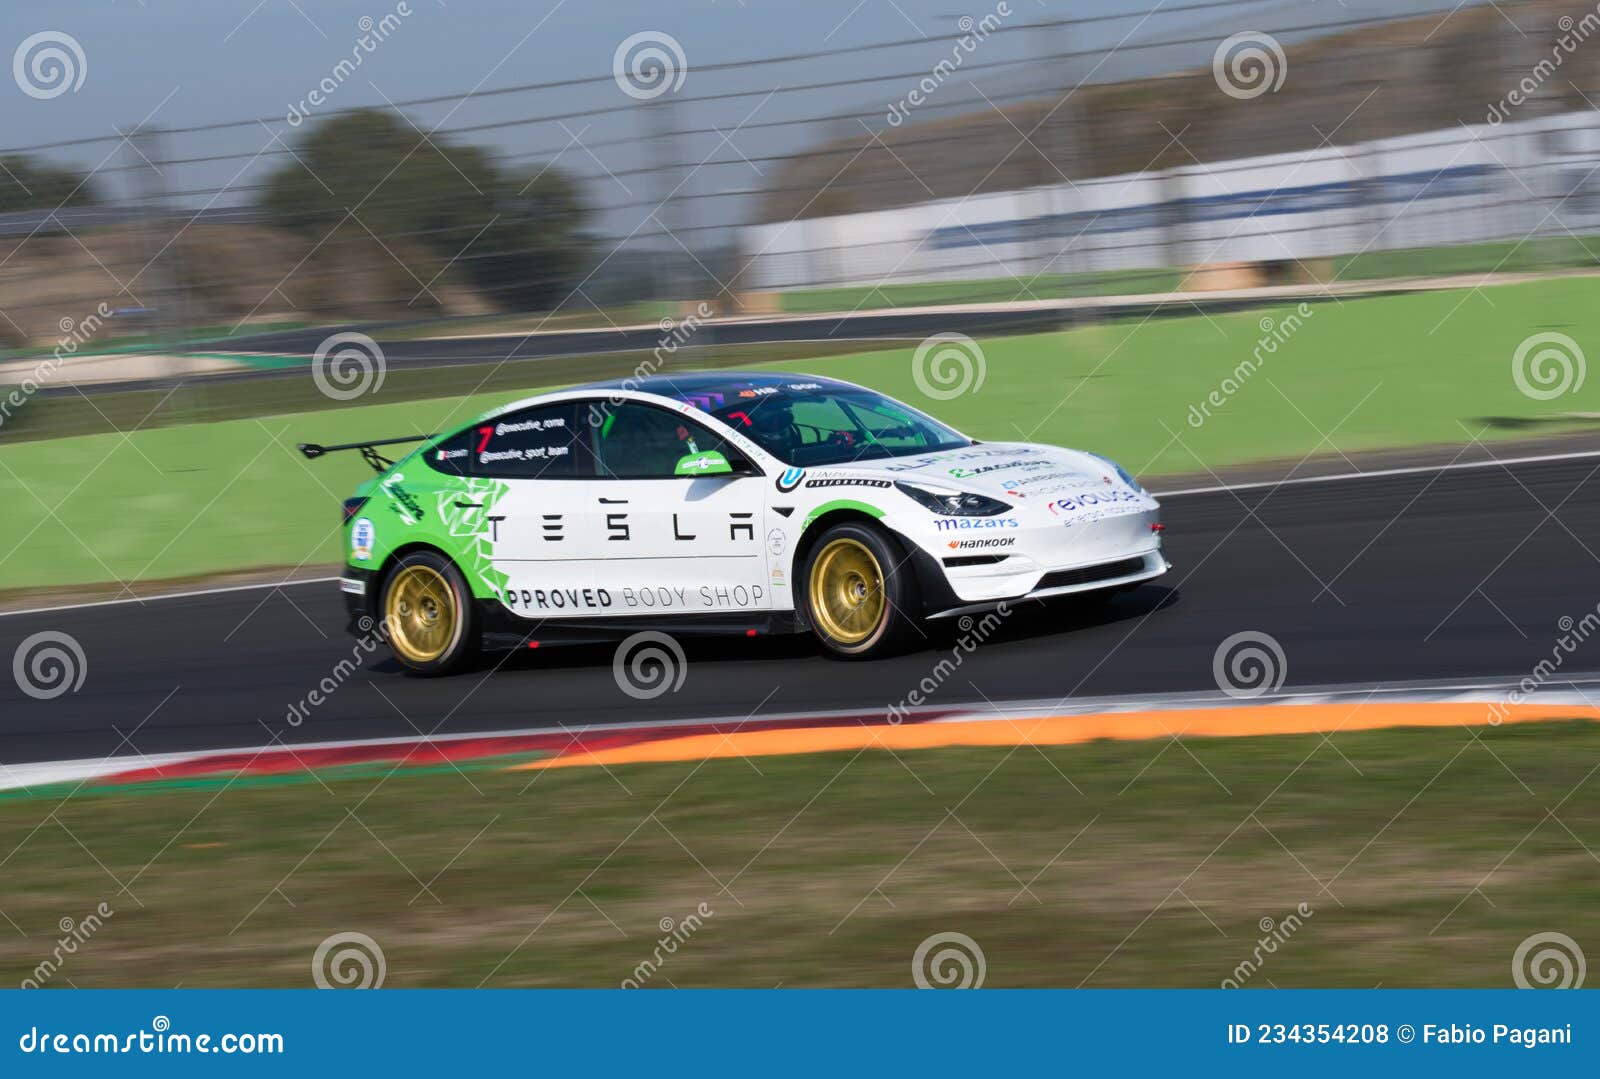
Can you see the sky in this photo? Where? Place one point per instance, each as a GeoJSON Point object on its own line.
{"type": "Point", "coordinates": [178, 63]}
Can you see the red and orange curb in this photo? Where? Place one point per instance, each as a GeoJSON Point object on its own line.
{"type": "Point", "coordinates": [1128, 719]}
{"type": "Point", "coordinates": [1240, 721]}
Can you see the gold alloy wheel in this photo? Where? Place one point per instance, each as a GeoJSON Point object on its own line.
{"type": "Point", "coordinates": [420, 608]}
{"type": "Point", "coordinates": [846, 590]}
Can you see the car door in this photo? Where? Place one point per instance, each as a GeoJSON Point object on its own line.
{"type": "Point", "coordinates": [535, 462]}
{"type": "Point", "coordinates": [676, 540]}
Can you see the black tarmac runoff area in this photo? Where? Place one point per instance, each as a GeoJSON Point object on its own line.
{"type": "Point", "coordinates": [1464, 574]}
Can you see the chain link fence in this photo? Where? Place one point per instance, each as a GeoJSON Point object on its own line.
{"type": "Point", "coordinates": [1195, 146]}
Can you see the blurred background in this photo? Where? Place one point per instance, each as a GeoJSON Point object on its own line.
{"type": "Point", "coordinates": [244, 171]}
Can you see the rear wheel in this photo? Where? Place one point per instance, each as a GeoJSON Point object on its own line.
{"type": "Point", "coordinates": [428, 615]}
{"type": "Point", "coordinates": [861, 599]}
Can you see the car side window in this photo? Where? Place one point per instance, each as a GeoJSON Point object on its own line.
{"type": "Point", "coordinates": [633, 440]}
{"type": "Point", "coordinates": [539, 443]}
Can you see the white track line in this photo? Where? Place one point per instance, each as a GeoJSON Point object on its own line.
{"type": "Point", "coordinates": [1418, 470]}
{"type": "Point", "coordinates": [1459, 466]}
{"type": "Point", "coordinates": [169, 595]}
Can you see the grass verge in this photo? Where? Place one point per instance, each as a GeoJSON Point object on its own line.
{"type": "Point", "coordinates": [1394, 371]}
{"type": "Point", "coordinates": [1424, 858]}
{"type": "Point", "coordinates": [1526, 256]}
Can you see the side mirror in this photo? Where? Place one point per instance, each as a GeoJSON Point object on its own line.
{"type": "Point", "coordinates": [709, 463]}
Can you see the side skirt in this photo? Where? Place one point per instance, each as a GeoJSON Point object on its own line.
{"type": "Point", "coordinates": [503, 630]}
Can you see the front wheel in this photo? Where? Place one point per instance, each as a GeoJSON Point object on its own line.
{"type": "Point", "coordinates": [861, 595]}
{"type": "Point", "coordinates": [428, 615]}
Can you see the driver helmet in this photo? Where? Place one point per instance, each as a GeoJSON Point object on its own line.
{"type": "Point", "coordinates": [773, 416]}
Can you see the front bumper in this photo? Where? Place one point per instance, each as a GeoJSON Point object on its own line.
{"type": "Point", "coordinates": [1038, 559]}
{"type": "Point", "coordinates": [1097, 577]}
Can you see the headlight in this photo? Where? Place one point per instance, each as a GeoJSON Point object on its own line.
{"type": "Point", "coordinates": [954, 503]}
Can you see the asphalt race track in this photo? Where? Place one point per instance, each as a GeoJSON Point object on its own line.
{"type": "Point", "coordinates": [1454, 574]}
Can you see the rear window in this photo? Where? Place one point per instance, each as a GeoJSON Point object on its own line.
{"type": "Point", "coordinates": [534, 443]}
{"type": "Point", "coordinates": [543, 442]}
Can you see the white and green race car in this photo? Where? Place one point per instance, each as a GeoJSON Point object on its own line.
{"type": "Point", "coordinates": [726, 503]}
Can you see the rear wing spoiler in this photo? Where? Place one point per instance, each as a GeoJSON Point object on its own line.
{"type": "Point", "coordinates": [369, 452]}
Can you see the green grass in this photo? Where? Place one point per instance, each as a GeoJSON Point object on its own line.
{"type": "Point", "coordinates": [1116, 864]}
{"type": "Point", "coordinates": [1501, 257]}
{"type": "Point", "coordinates": [1383, 372]}
{"type": "Point", "coordinates": [994, 290]}
{"type": "Point", "coordinates": [1527, 256]}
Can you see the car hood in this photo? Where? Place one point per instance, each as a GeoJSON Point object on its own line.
{"type": "Point", "coordinates": [1018, 472]}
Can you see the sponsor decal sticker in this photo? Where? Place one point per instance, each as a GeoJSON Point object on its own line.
{"type": "Point", "coordinates": [1084, 500]}
{"type": "Point", "coordinates": [790, 479]}
{"type": "Point", "coordinates": [972, 544]}
{"type": "Point", "coordinates": [362, 535]}
{"type": "Point", "coordinates": [848, 481]}
{"type": "Point", "coordinates": [405, 503]}
{"type": "Point", "coordinates": [776, 542]}
{"type": "Point", "coordinates": [538, 601]}
{"type": "Point", "coordinates": [961, 524]}
{"type": "Point", "coordinates": [966, 473]}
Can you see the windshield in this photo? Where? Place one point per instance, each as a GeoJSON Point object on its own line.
{"type": "Point", "coordinates": [809, 424]}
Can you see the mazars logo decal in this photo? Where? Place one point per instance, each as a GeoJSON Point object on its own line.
{"type": "Point", "coordinates": [790, 479]}
{"type": "Point", "coordinates": [961, 524]}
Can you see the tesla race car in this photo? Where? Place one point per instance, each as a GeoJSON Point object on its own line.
{"type": "Point", "coordinates": [722, 503]}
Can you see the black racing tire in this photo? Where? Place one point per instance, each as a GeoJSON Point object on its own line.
{"type": "Point", "coordinates": [429, 619]}
{"type": "Point", "coordinates": [860, 593]}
